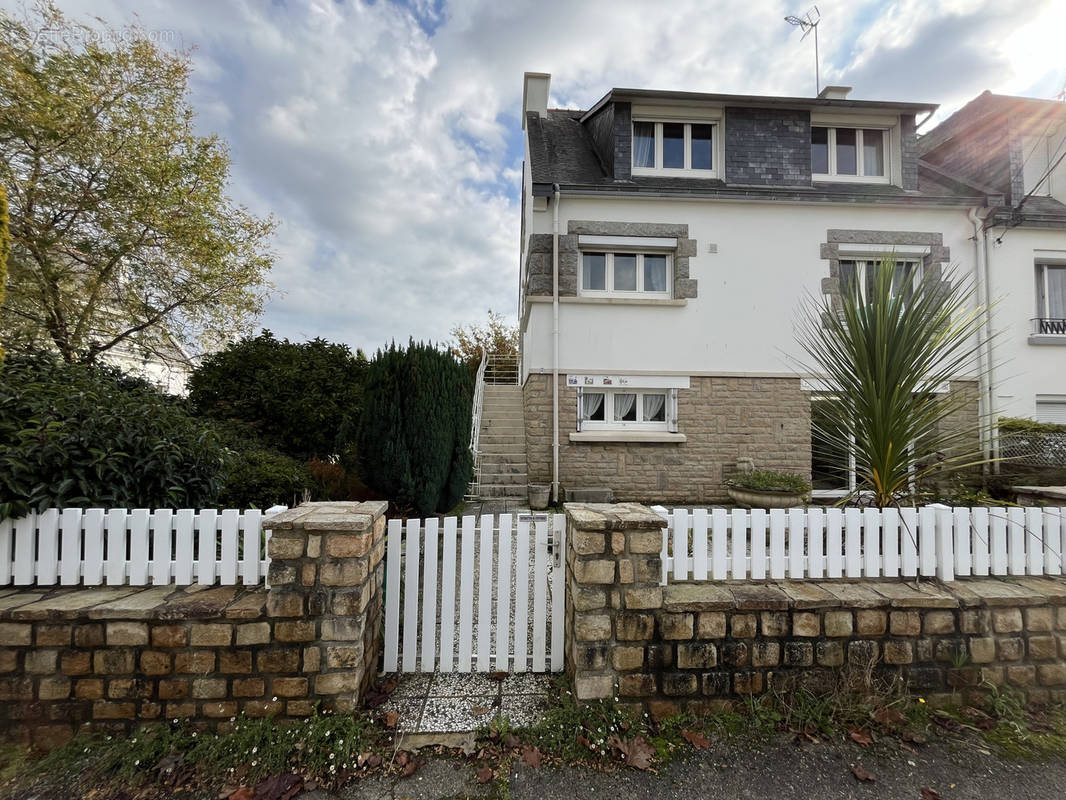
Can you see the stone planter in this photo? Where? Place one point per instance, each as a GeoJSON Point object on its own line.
{"type": "Point", "coordinates": [539, 495]}
{"type": "Point", "coordinates": [762, 498]}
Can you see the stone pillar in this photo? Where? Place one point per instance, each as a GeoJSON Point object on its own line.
{"type": "Point", "coordinates": [613, 571]}
{"type": "Point", "coordinates": [326, 574]}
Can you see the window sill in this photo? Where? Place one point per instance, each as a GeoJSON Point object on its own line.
{"type": "Point", "coordinates": [649, 437]}
{"type": "Point", "coordinates": [612, 301]}
{"type": "Point", "coordinates": [1047, 339]}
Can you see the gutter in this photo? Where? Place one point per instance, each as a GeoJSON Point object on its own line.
{"type": "Point", "coordinates": [555, 343]}
{"type": "Point", "coordinates": [987, 384]}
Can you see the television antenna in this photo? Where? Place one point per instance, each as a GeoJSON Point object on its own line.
{"type": "Point", "coordinates": [807, 23]}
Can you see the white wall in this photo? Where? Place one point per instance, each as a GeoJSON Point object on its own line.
{"type": "Point", "coordinates": [1023, 370]}
{"type": "Point", "coordinates": [751, 292]}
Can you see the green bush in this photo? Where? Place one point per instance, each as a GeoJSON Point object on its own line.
{"type": "Point", "coordinates": [770, 480]}
{"type": "Point", "coordinates": [299, 397]}
{"type": "Point", "coordinates": [414, 435]}
{"type": "Point", "coordinates": [1021, 425]}
{"type": "Point", "coordinates": [73, 435]}
{"type": "Point", "coordinates": [261, 478]}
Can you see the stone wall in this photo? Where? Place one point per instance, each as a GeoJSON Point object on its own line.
{"type": "Point", "coordinates": [689, 646]}
{"type": "Point", "coordinates": [112, 657]}
{"type": "Point", "coordinates": [723, 419]}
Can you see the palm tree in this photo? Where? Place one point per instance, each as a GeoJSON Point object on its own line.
{"type": "Point", "coordinates": [886, 353]}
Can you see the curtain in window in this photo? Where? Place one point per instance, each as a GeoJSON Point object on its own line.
{"type": "Point", "coordinates": [623, 407]}
{"type": "Point", "coordinates": [1056, 292]}
{"type": "Point", "coordinates": [591, 403]}
{"type": "Point", "coordinates": [653, 407]}
{"type": "Point", "coordinates": [643, 144]}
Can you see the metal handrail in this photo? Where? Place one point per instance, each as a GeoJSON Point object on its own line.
{"type": "Point", "coordinates": [475, 422]}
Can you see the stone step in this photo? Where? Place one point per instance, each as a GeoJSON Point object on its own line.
{"type": "Point", "coordinates": [502, 491]}
{"type": "Point", "coordinates": [498, 447]}
{"type": "Point", "coordinates": [518, 479]}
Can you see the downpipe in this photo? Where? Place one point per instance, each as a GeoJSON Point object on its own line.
{"type": "Point", "coordinates": [555, 343]}
{"type": "Point", "coordinates": [986, 365]}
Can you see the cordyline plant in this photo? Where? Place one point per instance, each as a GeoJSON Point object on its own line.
{"type": "Point", "coordinates": [886, 356]}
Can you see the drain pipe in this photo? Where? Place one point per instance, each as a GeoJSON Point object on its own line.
{"type": "Point", "coordinates": [555, 343]}
{"type": "Point", "coordinates": [983, 275]}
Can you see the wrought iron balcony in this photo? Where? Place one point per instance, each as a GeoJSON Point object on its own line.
{"type": "Point", "coordinates": [1050, 325]}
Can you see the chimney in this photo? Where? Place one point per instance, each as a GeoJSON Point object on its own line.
{"type": "Point", "coordinates": [535, 94]}
{"type": "Point", "coordinates": [835, 93]}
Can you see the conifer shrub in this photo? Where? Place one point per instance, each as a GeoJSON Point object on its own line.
{"type": "Point", "coordinates": [413, 441]}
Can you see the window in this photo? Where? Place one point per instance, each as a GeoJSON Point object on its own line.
{"type": "Point", "coordinates": [638, 409]}
{"type": "Point", "coordinates": [1051, 298]}
{"type": "Point", "coordinates": [848, 154]}
{"type": "Point", "coordinates": [858, 275]}
{"type": "Point", "coordinates": [1051, 409]}
{"type": "Point", "coordinates": [625, 274]}
{"type": "Point", "coordinates": [674, 148]}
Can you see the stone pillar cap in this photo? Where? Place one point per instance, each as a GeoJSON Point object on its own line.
{"type": "Point", "coordinates": [328, 516]}
{"type": "Point", "coordinates": [613, 516]}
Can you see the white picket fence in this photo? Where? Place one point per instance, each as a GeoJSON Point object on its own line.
{"type": "Point", "coordinates": [135, 547]}
{"type": "Point", "coordinates": [434, 569]}
{"type": "Point", "coordinates": [933, 541]}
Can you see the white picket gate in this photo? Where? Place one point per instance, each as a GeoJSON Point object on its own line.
{"type": "Point", "coordinates": [119, 546]}
{"type": "Point", "coordinates": [797, 543]}
{"type": "Point", "coordinates": [508, 572]}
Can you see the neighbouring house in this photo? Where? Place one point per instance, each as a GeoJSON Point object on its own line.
{"type": "Point", "coordinates": [669, 239]}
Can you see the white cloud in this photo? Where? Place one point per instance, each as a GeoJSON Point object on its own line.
{"type": "Point", "coordinates": [384, 136]}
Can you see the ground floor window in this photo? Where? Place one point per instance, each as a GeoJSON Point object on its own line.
{"type": "Point", "coordinates": [626, 408]}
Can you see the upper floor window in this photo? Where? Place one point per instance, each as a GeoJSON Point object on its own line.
{"type": "Point", "coordinates": [683, 148]}
{"type": "Point", "coordinates": [858, 276]}
{"type": "Point", "coordinates": [1051, 298]}
{"type": "Point", "coordinates": [848, 154]}
{"type": "Point", "coordinates": [625, 274]}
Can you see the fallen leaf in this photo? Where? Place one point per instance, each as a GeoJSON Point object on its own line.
{"type": "Point", "coordinates": [888, 717]}
{"type": "Point", "coordinates": [411, 768]}
{"type": "Point", "coordinates": [696, 739]}
{"type": "Point", "coordinates": [280, 787]}
{"type": "Point", "coordinates": [498, 676]}
{"type": "Point", "coordinates": [512, 741]}
{"type": "Point", "coordinates": [485, 774]}
{"type": "Point", "coordinates": [913, 737]}
{"type": "Point", "coordinates": [860, 736]}
{"type": "Point", "coordinates": [581, 740]}
{"type": "Point", "coordinates": [479, 711]}
{"type": "Point", "coordinates": [861, 774]}
{"type": "Point", "coordinates": [930, 794]}
{"type": "Point", "coordinates": [392, 719]}
{"type": "Point", "coordinates": [240, 793]}
{"type": "Point", "coordinates": [635, 752]}
{"type": "Point", "coordinates": [531, 757]}
{"type": "Point", "coordinates": [402, 758]}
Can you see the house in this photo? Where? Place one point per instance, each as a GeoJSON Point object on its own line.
{"type": "Point", "coordinates": [670, 238]}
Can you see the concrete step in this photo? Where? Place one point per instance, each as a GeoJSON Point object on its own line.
{"type": "Point", "coordinates": [518, 468]}
{"type": "Point", "coordinates": [505, 480]}
{"type": "Point", "coordinates": [499, 448]}
{"type": "Point", "coordinates": [504, 491]}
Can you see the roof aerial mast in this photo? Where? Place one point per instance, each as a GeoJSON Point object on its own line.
{"type": "Point", "coordinates": [807, 23]}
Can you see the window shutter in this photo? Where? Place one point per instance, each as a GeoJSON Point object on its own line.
{"type": "Point", "coordinates": [579, 409]}
{"type": "Point", "coordinates": [671, 412]}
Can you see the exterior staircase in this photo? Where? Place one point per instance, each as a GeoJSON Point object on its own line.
{"type": "Point", "coordinates": [500, 444]}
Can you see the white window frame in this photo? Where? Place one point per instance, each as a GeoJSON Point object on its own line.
{"type": "Point", "coordinates": [861, 263]}
{"type": "Point", "coordinates": [669, 423]}
{"type": "Point", "coordinates": [609, 290]}
{"type": "Point", "coordinates": [861, 177]}
{"type": "Point", "coordinates": [682, 172]}
{"type": "Point", "coordinates": [1043, 310]}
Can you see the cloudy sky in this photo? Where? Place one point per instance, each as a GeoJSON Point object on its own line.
{"type": "Point", "coordinates": [386, 136]}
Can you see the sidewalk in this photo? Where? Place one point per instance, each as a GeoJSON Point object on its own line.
{"type": "Point", "coordinates": [779, 770]}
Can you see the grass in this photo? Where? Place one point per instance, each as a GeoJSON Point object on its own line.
{"type": "Point", "coordinates": [318, 747]}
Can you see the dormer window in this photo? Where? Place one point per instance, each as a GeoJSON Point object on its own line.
{"type": "Point", "coordinates": [848, 154]}
{"type": "Point", "coordinates": [675, 148]}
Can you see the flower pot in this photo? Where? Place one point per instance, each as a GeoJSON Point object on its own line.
{"type": "Point", "coordinates": [539, 495]}
{"type": "Point", "coordinates": [763, 498]}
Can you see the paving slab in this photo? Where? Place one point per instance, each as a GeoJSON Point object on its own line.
{"type": "Point", "coordinates": [807, 595]}
{"type": "Point", "coordinates": [758, 597]}
{"type": "Point", "coordinates": [70, 604]}
{"type": "Point", "coordinates": [908, 595]}
{"type": "Point", "coordinates": [139, 605]}
{"type": "Point", "coordinates": [856, 595]}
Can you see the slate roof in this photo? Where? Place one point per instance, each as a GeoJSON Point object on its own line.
{"type": "Point", "coordinates": [561, 151]}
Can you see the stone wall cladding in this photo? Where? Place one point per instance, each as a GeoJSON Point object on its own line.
{"type": "Point", "coordinates": [602, 133]}
{"type": "Point", "coordinates": [623, 141]}
{"type": "Point", "coordinates": [723, 419]}
{"type": "Point", "coordinates": [110, 658]}
{"type": "Point", "coordinates": [767, 147]}
{"type": "Point", "coordinates": [691, 646]}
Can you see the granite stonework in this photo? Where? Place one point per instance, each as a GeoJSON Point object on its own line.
{"type": "Point", "coordinates": [723, 419]}
{"type": "Point", "coordinates": [693, 646]}
{"type": "Point", "coordinates": [109, 658]}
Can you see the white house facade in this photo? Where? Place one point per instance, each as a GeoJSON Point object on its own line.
{"type": "Point", "coordinates": [669, 242]}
